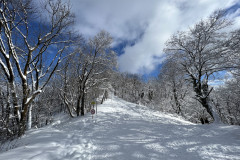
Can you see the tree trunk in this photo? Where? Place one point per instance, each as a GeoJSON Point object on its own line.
{"type": "Point", "coordinates": [25, 105]}
{"type": "Point", "coordinates": [204, 102]}
{"type": "Point", "coordinates": [1, 103]}
{"type": "Point", "coordinates": [29, 126]}
{"type": "Point", "coordinates": [178, 105]}
{"type": "Point", "coordinates": [15, 101]}
{"type": "Point", "coordinates": [210, 109]}
{"type": "Point", "coordinates": [78, 104]}
{"type": "Point", "coordinates": [202, 95]}
{"type": "Point", "coordinates": [82, 103]}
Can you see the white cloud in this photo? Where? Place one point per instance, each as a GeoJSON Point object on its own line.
{"type": "Point", "coordinates": [148, 22]}
{"type": "Point", "coordinates": [124, 19]}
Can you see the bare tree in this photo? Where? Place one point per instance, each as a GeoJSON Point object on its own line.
{"type": "Point", "coordinates": [227, 100]}
{"type": "Point", "coordinates": [173, 77]}
{"type": "Point", "coordinates": [32, 43]}
{"type": "Point", "coordinates": [202, 51]}
{"type": "Point", "coordinates": [88, 69]}
{"type": "Point", "coordinates": [234, 45]}
{"type": "Point", "coordinates": [94, 54]}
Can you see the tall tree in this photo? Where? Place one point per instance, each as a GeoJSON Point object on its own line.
{"type": "Point", "coordinates": [87, 69]}
{"type": "Point", "coordinates": [174, 78]}
{"type": "Point", "coordinates": [202, 51]}
{"type": "Point", "coordinates": [32, 42]}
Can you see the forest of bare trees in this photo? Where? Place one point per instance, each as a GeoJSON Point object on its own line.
{"type": "Point", "coordinates": [47, 68]}
{"type": "Point", "coordinates": [194, 58]}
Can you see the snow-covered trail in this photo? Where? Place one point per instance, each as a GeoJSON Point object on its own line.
{"type": "Point", "coordinates": [125, 131]}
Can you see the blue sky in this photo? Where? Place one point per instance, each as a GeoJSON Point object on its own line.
{"type": "Point", "coordinates": [140, 28]}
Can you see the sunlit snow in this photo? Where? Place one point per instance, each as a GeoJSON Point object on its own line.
{"type": "Point", "coordinates": [126, 131]}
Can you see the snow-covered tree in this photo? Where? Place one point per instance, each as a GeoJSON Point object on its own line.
{"type": "Point", "coordinates": [87, 70]}
{"type": "Point", "coordinates": [228, 102]}
{"type": "Point", "coordinates": [32, 42]}
{"type": "Point", "coordinates": [202, 51]}
{"type": "Point", "coordinates": [173, 77]}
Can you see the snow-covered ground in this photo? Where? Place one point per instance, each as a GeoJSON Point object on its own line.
{"type": "Point", "coordinates": [125, 131]}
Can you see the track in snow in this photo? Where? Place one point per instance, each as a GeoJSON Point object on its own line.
{"type": "Point", "coordinates": [125, 131]}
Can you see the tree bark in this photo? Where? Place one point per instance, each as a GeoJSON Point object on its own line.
{"type": "Point", "coordinates": [15, 102]}
{"type": "Point", "coordinates": [29, 126]}
{"type": "Point", "coordinates": [79, 105]}
{"type": "Point", "coordinates": [82, 104]}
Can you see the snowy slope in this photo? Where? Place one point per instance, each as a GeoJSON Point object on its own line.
{"type": "Point", "coordinates": [125, 131]}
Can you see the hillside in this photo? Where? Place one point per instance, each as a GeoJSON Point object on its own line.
{"type": "Point", "coordinates": [126, 131]}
